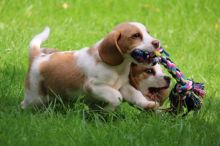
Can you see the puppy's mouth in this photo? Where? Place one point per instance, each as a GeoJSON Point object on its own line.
{"type": "Point", "coordinates": [156, 90]}
{"type": "Point", "coordinates": [157, 94]}
{"type": "Point", "coordinates": [142, 56]}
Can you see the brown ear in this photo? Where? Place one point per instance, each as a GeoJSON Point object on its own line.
{"type": "Point", "coordinates": [109, 50]}
{"type": "Point", "coordinates": [132, 76]}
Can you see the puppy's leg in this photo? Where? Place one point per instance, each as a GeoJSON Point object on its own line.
{"type": "Point", "coordinates": [107, 94]}
{"type": "Point", "coordinates": [31, 98]}
{"type": "Point", "coordinates": [135, 97]}
{"type": "Point", "coordinates": [34, 94]}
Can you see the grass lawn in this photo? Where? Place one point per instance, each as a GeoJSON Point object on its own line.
{"type": "Point", "coordinates": [190, 30]}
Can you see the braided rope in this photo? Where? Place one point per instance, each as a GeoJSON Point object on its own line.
{"type": "Point", "coordinates": [186, 92]}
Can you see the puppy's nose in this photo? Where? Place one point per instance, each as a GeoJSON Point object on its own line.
{"type": "Point", "coordinates": [167, 79]}
{"type": "Point", "coordinates": [156, 44]}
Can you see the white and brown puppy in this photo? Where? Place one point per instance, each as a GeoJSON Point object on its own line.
{"type": "Point", "coordinates": [151, 81]}
{"type": "Point", "coordinates": [101, 70]}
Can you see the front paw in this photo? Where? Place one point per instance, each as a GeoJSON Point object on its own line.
{"type": "Point", "coordinates": [153, 105]}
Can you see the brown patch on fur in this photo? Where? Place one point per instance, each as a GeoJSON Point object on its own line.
{"type": "Point", "coordinates": [136, 75]}
{"type": "Point", "coordinates": [42, 89]}
{"type": "Point", "coordinates": [61, 74]}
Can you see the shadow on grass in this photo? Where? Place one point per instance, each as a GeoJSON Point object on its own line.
{"type": "Point", "coordinates": [91, 113]}
{"type": "Point", "coordinates": [78, 108]}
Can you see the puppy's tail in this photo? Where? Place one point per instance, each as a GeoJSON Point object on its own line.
{"type": "Point", "coordinates": [35, 43]}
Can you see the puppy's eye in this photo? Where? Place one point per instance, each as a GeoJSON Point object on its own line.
{"type": "Point", "coordinates": [149, 71]}
{"type": "Point", "coordinates": [136, 35]}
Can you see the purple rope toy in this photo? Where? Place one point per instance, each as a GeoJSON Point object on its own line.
{"type": "Point", "coordinates": [185, 93]}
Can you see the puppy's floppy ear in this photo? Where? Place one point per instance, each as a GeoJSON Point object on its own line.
{"type": "Point", "coordinates": [132, 76]}
{"type": "Point", "coordinates": [109, 50]}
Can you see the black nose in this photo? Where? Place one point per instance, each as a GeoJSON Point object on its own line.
{"type": "Point", "coordinates": [167, 79]}
{"type": "Point", "coordinates": [156, 43]}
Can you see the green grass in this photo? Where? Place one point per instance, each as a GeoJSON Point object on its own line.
{"type": "Point", "coordinates": [190, 30]}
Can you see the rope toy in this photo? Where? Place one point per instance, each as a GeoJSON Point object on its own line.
{"type": "Point", "coordinates": [185, 93]}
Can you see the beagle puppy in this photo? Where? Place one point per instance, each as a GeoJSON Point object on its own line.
{"type": "Point", "coordinates": [151, 81]}
{"type": "Point", "coordinates": [100, 71]}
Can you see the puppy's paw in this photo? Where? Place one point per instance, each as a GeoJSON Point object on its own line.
{"type": "Point", "coordinates": [153, 105]}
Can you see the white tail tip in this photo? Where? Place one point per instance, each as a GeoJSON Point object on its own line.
{"type": "Point", "coordinates": [38, 39]}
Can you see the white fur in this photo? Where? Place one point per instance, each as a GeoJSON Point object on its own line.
{"type": "Point", "coordinates": [147, 39]}
{"type": "Point", "coordinates": [32, 95]}
{"type": "Point", "coordinates": [104, 80]}
{"type": "Point", "coordinates": [38, 39]}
